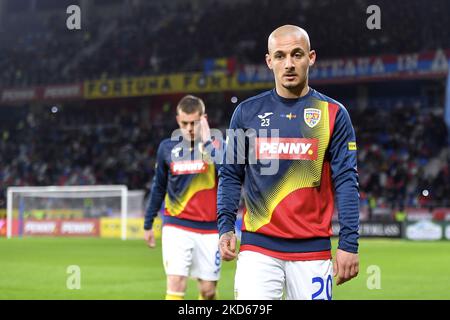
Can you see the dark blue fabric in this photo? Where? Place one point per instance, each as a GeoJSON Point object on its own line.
{"type": "Point", "coordinates": [285, 245]}
{"type": "Point", "coordinates": [342, 159]}
{"type": "Point", "coordinates": [164, 182]}
{"type": "Point", "coordinates": [190, 223]}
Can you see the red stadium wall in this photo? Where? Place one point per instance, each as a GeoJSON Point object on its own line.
{"type": "Point", "coordinates": [58, 228]}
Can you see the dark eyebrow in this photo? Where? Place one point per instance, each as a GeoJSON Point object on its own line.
{"type": "Point", "coordinates": [298, 50]}
{"type": "Point", "coordinates": [278, 52]}
{"type": "Point", "coordinates": [293, 51]}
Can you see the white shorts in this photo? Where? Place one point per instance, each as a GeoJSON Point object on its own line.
{"type": "Point", "coordinates": [187, 253]}
{"type": "Point", "coordinates": [261, 277]}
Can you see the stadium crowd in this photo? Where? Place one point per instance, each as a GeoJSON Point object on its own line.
{"type": "Point", "coordinates": [403, 156]}
{"type": "Point", "coordinates": [154, 37]}
{"type": "Point", "coordinates": [402, 149]}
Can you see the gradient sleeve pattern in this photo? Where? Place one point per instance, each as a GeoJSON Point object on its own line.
{"type": "Point", "coordinates": [231, 177]}
{"type": "Point", "coordinates": [158, 191]}
{"type": "Point", "coordinates": [215, 149]}
{"type": "Point", "coordinates": [345, 179]}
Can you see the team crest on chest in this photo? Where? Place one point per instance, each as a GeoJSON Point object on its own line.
{"type": "Point", "coordinates": [312, 117]}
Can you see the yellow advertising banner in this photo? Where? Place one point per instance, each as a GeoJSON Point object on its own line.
{"type": "Point", "coordinates": [167, 84]}
{"type": "Point", "coordinates": [111, 228]}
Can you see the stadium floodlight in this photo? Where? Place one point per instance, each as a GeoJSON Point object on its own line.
{"type": "Point", "coordinates": [65, 210]}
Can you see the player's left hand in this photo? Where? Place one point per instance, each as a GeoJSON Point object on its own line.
{"type": "Point", "coordinates": [345, 266]}
{"type": "Point", "coordinates": [205, 131]}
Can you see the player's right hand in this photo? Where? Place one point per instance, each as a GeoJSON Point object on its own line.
{"type": "Point", "coordinates": [227, 246]}
{"type": "Point", "coordinates": [345, 266]}
{"type": "Point", "coordinates": [149, 237]}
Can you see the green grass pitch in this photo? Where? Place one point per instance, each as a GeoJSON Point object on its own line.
{"type": "Point", "coordinates": [36, 268]}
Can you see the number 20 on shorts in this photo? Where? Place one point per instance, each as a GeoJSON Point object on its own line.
{"type": "Point", "coordinates": [322, 285]}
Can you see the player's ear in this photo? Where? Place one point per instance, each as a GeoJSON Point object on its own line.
{"type": "Point", "coordinates": [312, 57]}
{"type": "Point", "coordinates": [269, 61]}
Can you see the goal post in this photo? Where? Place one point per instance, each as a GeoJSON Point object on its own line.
{"type": "Point", "coordinates": [54, 207]}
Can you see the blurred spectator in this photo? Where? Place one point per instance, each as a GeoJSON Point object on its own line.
{"type": "Point", "coordinates": [160, 37]}
{"type": "Point", "coordinates": [402, 146]}
{"type": "Point", "coordinates": [398, 158]}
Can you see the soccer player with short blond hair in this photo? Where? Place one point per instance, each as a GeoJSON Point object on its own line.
{"type": "Point", "coordinates": [187, 181]}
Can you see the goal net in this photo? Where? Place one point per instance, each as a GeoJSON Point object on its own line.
{"type": "Point", "coordinates": [69, 210]}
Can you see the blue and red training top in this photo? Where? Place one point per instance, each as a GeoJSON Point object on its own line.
{"type": "Point", "coordinates": [186, 180]}
{"type": "Point", "coordinates": [291, 176]}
